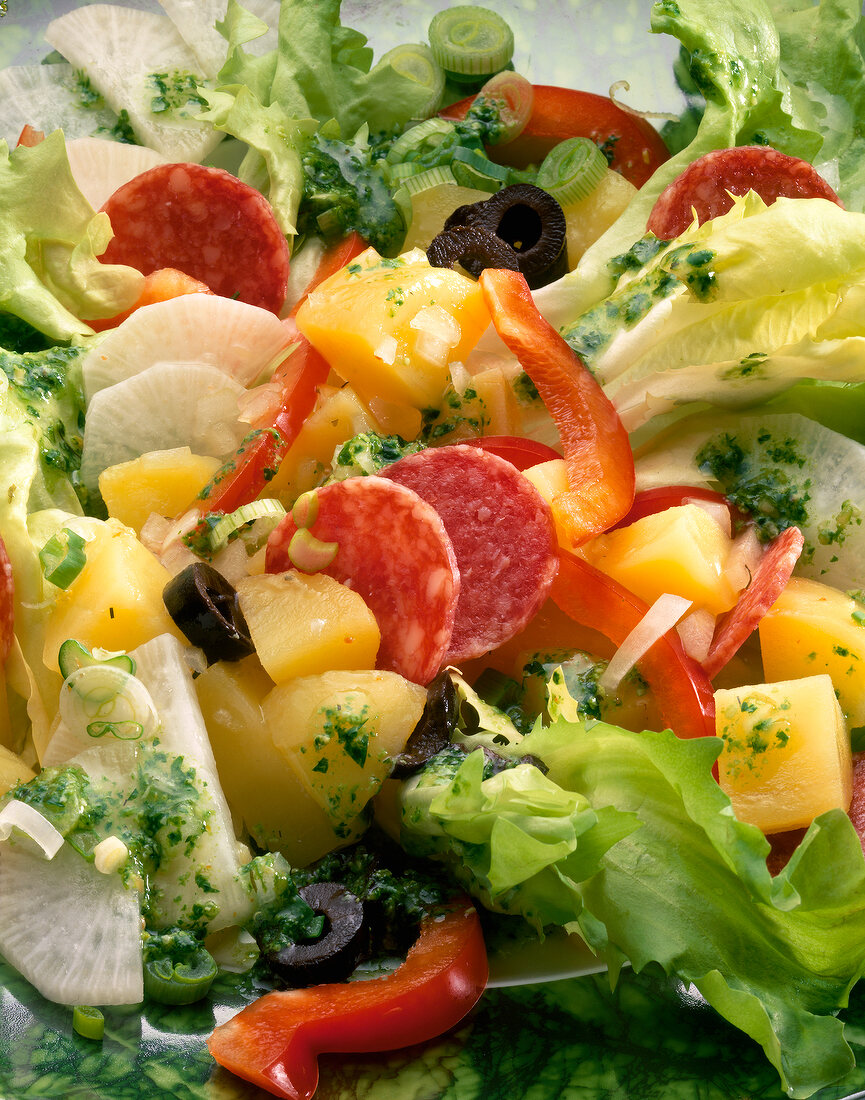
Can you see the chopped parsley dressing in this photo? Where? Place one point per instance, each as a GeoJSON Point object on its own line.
{"type": "Point", "coordinates": [177, 92]}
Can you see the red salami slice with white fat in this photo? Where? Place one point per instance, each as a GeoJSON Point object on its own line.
{"type": "Point", "coordinates": [503, 536]}
{"type": "Point", "coordinates": [394, 551]}
{"type": "Point", "coordinates": [769, 580]}
{"type": "Point", "coordinates": [206, 223]}
{"type": "Point", "coordinates": [857, 802]}
{"type": "Point", "coordinates": [7, 604]}
{"type": "Point", "coordinates": [705, 184]}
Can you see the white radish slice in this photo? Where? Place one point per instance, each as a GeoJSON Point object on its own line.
{"type": "Point", "coordinates": [120, 49]}
{"type": "Point", "coordinates": [48, 97]}
{"type": "Point", "coordinates": [161, 666]}
{"type": "Point", "coordinates": [100, 166]}
{"type": "Point", "coordinates": [196, 21]}
{"type": "Point", "coordinates": [167, 405]}
{"type": "Point", "coordinates": [240, 339]}
{"type": "Point", "coordinates": [72, 932]}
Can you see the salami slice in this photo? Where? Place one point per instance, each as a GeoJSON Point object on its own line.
{"type": "Point", "coordinates": [704, 185]}
{"type": "Point", "coordinates": [857, 802]}
{"type": "Point", "coordinates": [394, 551]}
{"type": "Point", "coordinates": [206, 223]}
{"type": "Point", "coordinates": [502, 533]}
{"type": "Point", "coordinates": [7, 604]}
{"type": "Point", "coordinates": [775, 569]}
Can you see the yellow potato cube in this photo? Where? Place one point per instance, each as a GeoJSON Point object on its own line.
{"type": "Point", "coordinates": [266, 795]}
{"type": "Point", "coordinates": [365, 322]}
{"type": "Point", "coordinates": [589, 218]}
{"type": "Point", "coordinates": [786, 755]}
{"type": "Point", "coordinates": [339, 731]}
{"type": "Point", "coordinates": [812, 628]}
{"type": "Point", "coordinates": [303, 624]}
{"type": "Point", "coordinates": [551, 479]}
{"type": "Point", "coordinates": [681, 550]}
{"type": "Point", "coordinates": [115, 602]}
{"type": "Point", "coordinates": [164, 482]}
{"type": "Point", "coordinates": [338, 416]}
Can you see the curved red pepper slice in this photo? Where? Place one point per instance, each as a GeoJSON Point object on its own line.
{"type": "Point", "coordinates": [636, 148]}
{"type": "Point", "coordinates": [520, 452]}
{"type": "Point", "coordinates": [275, 1041]}
{"type": "Point", "coordinates": [682, 689]}
{"type": "Point", "coordinates": [245, 476]}
{"type": "Point", "coordinates": [769, 581]}
{"type": "Point", "coordinates": [597, 450]}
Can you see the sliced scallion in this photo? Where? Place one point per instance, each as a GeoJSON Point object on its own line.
{"type": "Point", "coordinates": [225, 527]}
{"type": "Point", "coordinates": [473, 169]}
{"type": "Point", "coordinates": [572, 170]}
{"type": "Point", "coordinates": [88, 1022]}
{"type": "Point", "coordinates": [416, 61]}
{"type": "Point", "coordinates": [432, 177]}
{"type": "Point", "coordinates": [181, 983]}
{"type": "Point", "coordinates": [305, 509]}
{"type": "Point", "coordinates": [418, 139]}
{"type": "Point", "coordinates": [309, 554]}
{"type": "Point", "coordinates": [62, 557]}
{"type": "Point", "coordinates": [468, 40]}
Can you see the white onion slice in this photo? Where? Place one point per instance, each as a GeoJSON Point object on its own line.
{"type": "Point", "coordinates": [696, 631]}
{"type": "Point", "coordinates": [17, 815]}
{"type": "Point", "coordinates": [662, 616]}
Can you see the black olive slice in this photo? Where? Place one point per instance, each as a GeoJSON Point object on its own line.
{"type": "Point", "coordinates": [434, 729]}
{"type": "Point", "coordinates": [473, 247]}
{"type": "Point", "coordinates": [528, 219]}
{"type": "Point", "coordinates": [205, 607]}
{"type": "Point", "coordinates": [333, 956]}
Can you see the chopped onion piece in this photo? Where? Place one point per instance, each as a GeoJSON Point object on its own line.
{"type": "Point", "coordinates": [437, 333]}
{"type": "Point", "coordinates": [745, 556]}
{"type": "Point", "coordinates": [386, 350]}
{"type": "Point", "coordinates": [460, 377]}
{"type": "Point", "coordinates": [720, 513]}
{"type": "Point", "coordinates": [109, 855]}
{"type": "Point", "coordinates": [23, 817]}
{"type": "Point", "coordinates": [696, 631]}
{"type": "Point", "coordinates": [662, 616]}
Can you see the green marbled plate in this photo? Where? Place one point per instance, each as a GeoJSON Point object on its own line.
{"type": "Point", "coordinates": [571, 1039]}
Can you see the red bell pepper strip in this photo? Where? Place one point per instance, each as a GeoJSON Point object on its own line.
{"type": "Point", "coordinates": [682, 689]}
{"type": "Point", "coordinates": [245, 476]}
{"type": "Point", "coordinates": [635, 147]}
{"type": "Point", "coordinates": [275, 1041]}
{"type": "Point", "coordinates": [597, 450]}
{"type": "Point", "coordinates": [520, 452]}
{"type": "Point", "coordinates": [769, 581]}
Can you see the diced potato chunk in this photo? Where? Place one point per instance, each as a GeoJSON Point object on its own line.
{"type": "Point", "coordinates": [164, 482]}
{"type": "Point", "coordinates": [551, 479]}
{"type": "Point", "coordinates": [303, 624]}
{"type": "Point", "coordinates": [13, 770]}
{"type": "Point", "coordinates": [681, 550]}
{"type": "Point", "coordinates": [364, 321]}
{"type": "Point", "coordinates": [587, 219]}
{"type": "Point", "coordinates": [339, 731]}
{"type": "Point", "coordinates": [266, 795]}
{"type": "Point", "coordinates": [812, 628]}
{"type": "Point", "coordinates": [115, 602]}
{"type": "Point", "coordinates": [786, 756]}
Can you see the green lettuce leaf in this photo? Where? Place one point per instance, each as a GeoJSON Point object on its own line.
{"type": "Point", "coordinates": [720, 315]}
{"type": "Point", "coordinates": [690, 891]}
{"type": "Point", "coordinates": [759, 80]}
{"type": "Point", "coordinates": [50, 241]}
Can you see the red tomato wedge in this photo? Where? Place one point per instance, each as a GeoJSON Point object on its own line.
{"type": "Point", "coordinates": [246, 475]}
{"type": "Point", "coordinates": [706, 185]}
{"type": "Point", "coordinates": [769, 580]}
{"type": "Point", "coordinates": [520, 452]}
{"type": "Point", "coordinates": [7, 604]}
{"type": "Point", "coordinates": [682, 689]}
{"type": "Point", "coordinates": [596, 447]}
{"type": "Point", "coordinates": [275, 1041]}
{"type": "Point", "coordinates": [30, 136]}
{"type": "Point", "coordinates": [636, 147]}
{"type": "Point", "coordinates": [159, 286]}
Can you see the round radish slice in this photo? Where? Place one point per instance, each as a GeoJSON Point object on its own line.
{"type": "Point", "coordinates": [100, 166]}
{"type": "Point", "coordinates": [503, 537]}
{"type": "Point", "coordinates": [48, 97]}
{"type": "Point", "coordinates": [167, 405]}
{"type": "Point", "coordinates": [395, 552]}
{"type": "Point", "coordinates": [137, 59]}
{"type": "Point", "coordinates": [206, 223]}
{"type": "Point", "coordinates": [73, 933]}
{"type": "Point", "coordinates": [240, 339]}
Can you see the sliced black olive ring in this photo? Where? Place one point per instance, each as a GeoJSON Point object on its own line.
{"type": "Point", "coordinates": [205, 607]}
